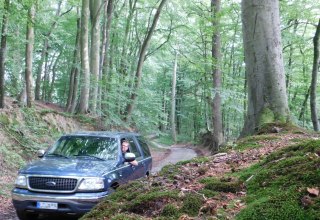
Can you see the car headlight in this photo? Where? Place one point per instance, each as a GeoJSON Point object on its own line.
{"type": "Point", "coordinates": [21, 181]}
{"type": "Point", "coordinates": [91, 184]}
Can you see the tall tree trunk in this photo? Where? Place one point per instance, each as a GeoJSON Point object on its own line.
{"type": "Point", "coordinates": [105, 67]}
{"type": "Point", "coordinates": [173, 99]}
{"type": "Point", "coordinates": [29, 55]}
{"type": "Point", "coordinates": [3, 50]}
{"type": "Point", "coordinates": [73, 84]}
{"type": "Point", "coordinates": [123, 58]}
{"type": "Point", "coordinates": [54, 73]}
{"type": "Point", "coordinates": [315, 68]}
{"type": "Point", "coordinates": [142, 55]}
{"type": "Point", "coordinates": [46, 77]}
{"type": "Point", "coordinates": [44, 53]}
{"type": "Point", "coordinates": [291, 50]}
{"type": "Point", "coordinates": [304, 105]}
{"type": "Point", "coordinates": [216, 76]}
{"type": "Point", "coordinates": [40, 68]}
{"type": "Point", "coordinates": [95, 12]}
{"type": "Point", "coordinates": [85, 83]}
{"type": "Point", "coordinates": [267, 97]}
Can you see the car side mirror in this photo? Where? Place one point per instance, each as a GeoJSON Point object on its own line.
{"type": "Point", "coordinates": [129, 157]}
{"type": "Point", "coordinates": [41, 153]}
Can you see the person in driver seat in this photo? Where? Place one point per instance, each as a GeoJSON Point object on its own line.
{"type": "Point", "coordinates": [125, 148]}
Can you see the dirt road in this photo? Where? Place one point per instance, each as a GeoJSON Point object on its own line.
{"type": "Point", "coordinates": [175, 155]}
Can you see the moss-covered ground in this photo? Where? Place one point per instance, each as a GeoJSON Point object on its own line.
{"type": "Point", "coordinates": [269, 176]}
{"type": "Point", "coordinates": [277, 187]}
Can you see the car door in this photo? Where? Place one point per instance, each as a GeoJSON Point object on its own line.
{"type": "Point", "coordinates": [147, 159]}
{"type": "Point", "coordinates": [138, 171]}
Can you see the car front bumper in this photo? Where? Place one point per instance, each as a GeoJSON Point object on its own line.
{"type": "Point", "coordinates": [72, 204]}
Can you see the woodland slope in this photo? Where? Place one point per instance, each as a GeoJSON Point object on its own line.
{"type": "Point", "coordinates": [266, 176]}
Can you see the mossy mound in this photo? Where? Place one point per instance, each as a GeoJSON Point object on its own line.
{"type": "Point", "coordinates": [280, 127]}
{"type": "Point", "coordinates": [222, 185]}
{"type": "Point", "coordinates": [138, 200]}
{"type": "Point", "coordinates": [277, 187]}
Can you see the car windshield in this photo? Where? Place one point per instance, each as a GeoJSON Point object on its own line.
{"type": "Point", "coordinates": [102, 148]}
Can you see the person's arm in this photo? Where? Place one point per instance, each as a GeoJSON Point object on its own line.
{"type": "Point", "coordinates": [134, 163]}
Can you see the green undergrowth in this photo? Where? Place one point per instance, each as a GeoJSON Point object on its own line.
{"type": "Point", "coordinates": [27, 130]}
{"type": "Point", "coordinates": [10, 157]}
{"type": "Point", "coordinates": [277, 186]}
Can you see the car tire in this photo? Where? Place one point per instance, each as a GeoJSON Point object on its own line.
{"type": "Point", "coordinates": [23, 215]}
{"type": "Point", "coordinates": [111, 190]}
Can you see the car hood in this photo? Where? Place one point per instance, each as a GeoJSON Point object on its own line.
{"type": "Point", "coordinates": [69, 167]}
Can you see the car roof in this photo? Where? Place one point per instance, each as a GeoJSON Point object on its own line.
{"type": "Point", "coordinates": [102, 133]}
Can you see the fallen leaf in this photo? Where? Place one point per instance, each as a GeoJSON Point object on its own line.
{"type": "Point", "coordinates": [313, 191]}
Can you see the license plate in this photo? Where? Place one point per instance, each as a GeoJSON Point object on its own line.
{"type": "Point", "coordinates": [47, 205]}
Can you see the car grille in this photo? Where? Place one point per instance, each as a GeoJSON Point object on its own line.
{"type": "Point", "coordinates": [52, 183]}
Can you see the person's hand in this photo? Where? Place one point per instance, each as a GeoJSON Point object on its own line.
{"type": "Point", "coordinates": [134, 163]}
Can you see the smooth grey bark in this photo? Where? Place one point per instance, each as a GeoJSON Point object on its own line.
{"type": "Point", "coordinates": [304, 105]}
{"type": "Point", "coordinates": [173, 99]}
{"type": "Point", "coordinates": [44, 53]}
{"type": "Point", "coordinates": [74, 79]}
{"type": "Point", "coordinates": [3, 50]}
{"type": "Point", "coordinates": [46, 76]}
{"type": "Point", "coordinates": [54, 74]}
{"type": "Point", "coordinates": [29, 56]}
{"type": "Point", "coordinates": [105, 58]}
{"type": "Point", "coordinates": [267, 97]}
{"type": "Point", "coordinates": [85, 67]}
{"type": "Point", "coordinates": [313, 88]}
{"type": "Point", "coordinates": [216, 76]}
{"type": "Point", "coordinates": [124, 54]}
{"type": "Point", "coordinates": [95, 12]}
{"type": "Point", "coordinates": [141, 60]}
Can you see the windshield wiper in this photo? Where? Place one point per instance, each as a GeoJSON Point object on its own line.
{"type": "Point", "coordinates": [57, 155]}
{"type": "Point", "coordinates": [87, 155]}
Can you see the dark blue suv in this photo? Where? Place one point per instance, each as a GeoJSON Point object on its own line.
{"type": "Point", "coordinates": [77, 172]}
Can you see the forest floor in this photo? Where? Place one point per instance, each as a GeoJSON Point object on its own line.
{"type": "Point", "coordinates": [191, 176]}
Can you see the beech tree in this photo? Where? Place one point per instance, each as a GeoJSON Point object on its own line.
{"type": "Point", "coordinates": [267, 97]}
{"type": "Point", "coordinates": [74, 73]}
{"type": "Point", "coordinates": [3, 50]}
{"type": "Point", "coordinates": [135, 62]}
{"type": "Point", "coordinates": [29, 56]}
{"type": "Point", "coordinates": [104, 69]}
{"type": "Point", "coordinates": [173, 99]}
{"type": "Point", "coordinates": [85, 67]}
{"type": "Point", "coordinates": [95, 12]}
{"type": "Point", "coordinates": [216, 75]}
{"type": "Point", "coordinates": [313, 87]}
{"type": "Point", "coordinates": [44, 54]}
{"type": "Point", "coordinates": [142, 54]}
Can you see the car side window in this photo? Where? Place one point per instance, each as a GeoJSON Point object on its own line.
{"type": "Point", "coordinates": [134, 148]}
{"type": "Point", "coordinates": [144, 146]}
